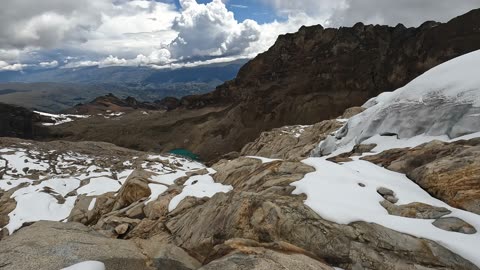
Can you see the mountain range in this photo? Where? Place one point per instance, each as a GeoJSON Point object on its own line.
{"type": "Point", "coordinates": [58, 89]}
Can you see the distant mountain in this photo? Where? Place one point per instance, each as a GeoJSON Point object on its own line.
{"type": "Point", "coordinates": [58, 89]}
{"type": "Point", "coordinates": [128, 75]}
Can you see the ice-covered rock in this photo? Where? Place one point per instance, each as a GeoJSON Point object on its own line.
{"type": "Point", "coordinates": [443, 102]}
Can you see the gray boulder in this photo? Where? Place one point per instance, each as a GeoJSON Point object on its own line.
{"type": "Point", "coordinates": [55, 245]}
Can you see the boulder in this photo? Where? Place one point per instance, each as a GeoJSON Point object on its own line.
{"type": "Point", "coordinates": [122, 229]}
{"type": "Point", "coordinates": [416, 210]}
{"type": "Point", "coordinates": [251, 174]}
{"type": "Point", "coordinates": [168, 256]}
{"type": "Point", "coordinates": [134, 189]}
{"type": "Point", "coordinates": [55, 245]}
{"type": "Point", "coordinates": [454, 224]}
{"type": "Point", "coordinates": [264, 259]}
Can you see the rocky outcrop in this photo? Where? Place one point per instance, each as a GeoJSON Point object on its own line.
{"type": "Point", "coordinates": [290, 142]}
{"type": "Point", "coordinates": [416, 210]}
{"type": "Point", "coordinates": [296, 142]}
{"type": "Point", "coordinates": [448, 171]}
{"type": "Point", "coordinates": [306, 77]}
{"type": "Point", "coordinates": [54, 245]}
{"type": "Point", "coordinates": [273, 218]}
{"type": "Point", "coordinates": [454, 224]}
{"type": "Point", "coordinates": [255, 258]}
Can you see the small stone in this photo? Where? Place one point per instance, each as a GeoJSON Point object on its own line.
{"type": "Point", "coordinates": [197, 172]}
{"type": "Point", "coordinates": [361, 184]}
{"type": "Point", "coordinates": [385, 191]}
{"type": "Point", "coordinates": [454, 224]}
{"type": "Point", "coordinates": [122, 229]}
{"type": "Point", "coordinates": [391, 198]}
{"type": "Point", "coordinates": [415, 210]}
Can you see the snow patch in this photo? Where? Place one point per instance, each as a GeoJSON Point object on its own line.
{"type": "Point", "coordinates": [198, 186]}
{"type": "Point", "coordinates": [92, 204]}
{"type": "Point", "coordinates": [59, 119]}
{"type": "Point", "coordinates": [333, 191]}
{"type": "Point", "coordinates": [264, 159]}
{"type": "Point", "coordinates": [99, 186]}
{"type": "Point", "coordinates": [87, 265]}
{"type": "Point", "coordinates": [156, 190]}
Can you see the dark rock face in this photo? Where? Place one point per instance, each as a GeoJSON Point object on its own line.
{"type": "Point", "coordinates": [306, 77]}
{"type": "Point", "coordinates": [19, 122]}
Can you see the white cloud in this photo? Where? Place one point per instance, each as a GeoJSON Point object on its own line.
{"type": "Point", "coordinates": [348, 12]}
{"type": "Point", "coordinates": [132, 28]}
{"type": "Point", "coordinates": [51, 64]}
{"type": "Point", "coordinates": [319, 9]}
{"type": "Point", "coordinates": [27, 24]}
{"type": "Point", "coordinates": [199, 31]}
{"type": "Point", "coordinates": [210, 30]}
{"type": "Point", "coordinates": [4, 66]}
{"type": "Point", "coordinates": [156, 33]}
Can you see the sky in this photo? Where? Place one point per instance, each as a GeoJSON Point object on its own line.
{"type": "Point", "coordinates": [173, 33]}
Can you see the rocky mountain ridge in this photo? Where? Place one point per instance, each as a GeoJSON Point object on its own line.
{"type": "Point", "coordinates": [304, 78]}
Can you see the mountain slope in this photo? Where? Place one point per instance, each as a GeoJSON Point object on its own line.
{"type": "Point", "coordinates": [304, 78]}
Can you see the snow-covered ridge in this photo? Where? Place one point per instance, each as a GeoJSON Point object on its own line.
{"type": "Point", "coordinates": [445, 101]}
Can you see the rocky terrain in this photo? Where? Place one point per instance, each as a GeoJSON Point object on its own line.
{"type": "Point", "coordinates": [353, 192]}
{"type": "Point", "coordinates": [308, 164]}
{"type": "Point", "coordinates": [306, 77]}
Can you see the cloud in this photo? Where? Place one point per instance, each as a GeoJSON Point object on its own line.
{"type": "Point", "coordinates": [407, 12]}
{"type": "Point", "coordinates": [319, 9]}
{"type": "Point", "coordinates": [210, 30]}
{"type": "Point", "coordinates": [132, 28]}
{"type": "Point", "coordinates": [27, 24]}
{"type": "Point", "coordinates": [348, 12]}
{"type": "Point", "coordinates": [157, 57]}
{"type": "Point", "coordinates": [156, 33]}
{"type": "Point", "coordinates": [238, 6]}
{"type": "Point", "coordinates": [4, 66]}
{"type": "Point", "coordinates": [51, 64]}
